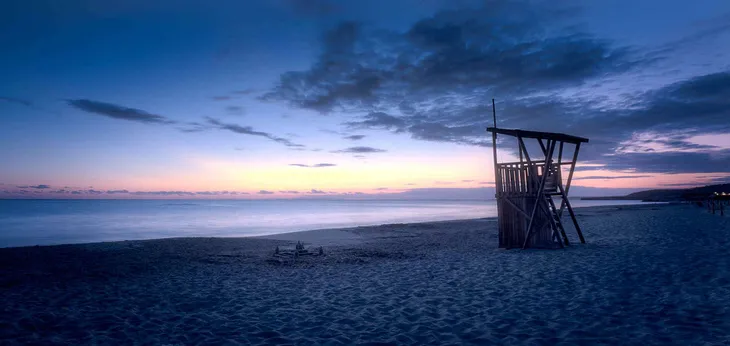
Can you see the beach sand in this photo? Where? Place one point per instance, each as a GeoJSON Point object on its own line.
{"type": "Point", "coordinates": [651, 274]}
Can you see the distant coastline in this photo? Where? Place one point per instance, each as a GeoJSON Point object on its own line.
{"type": "Point", "coordinates": [667, 195]}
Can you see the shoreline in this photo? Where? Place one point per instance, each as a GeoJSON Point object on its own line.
{"type": "Point", "coordinates": [320, 234]}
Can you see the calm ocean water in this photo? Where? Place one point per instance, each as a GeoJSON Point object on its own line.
{"type": "Point", "coordinates": [44, 222]}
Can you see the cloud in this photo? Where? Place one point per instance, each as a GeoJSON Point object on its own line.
{"type": "Point", "coordinates": [193, 126]}
{"type": "Point", "coordinates": [360, 150]}
{"type": "Point", "coordinates": [118, 112]}
{"type": "Point", "coordinates": [163, 193]}
{"type": "Point", "coordinates": [670, 162]}
{"type": "Point", "coordinates": [332, 132]}
{"type": "Point", "coordinates": [467, 181]}
{"type": "Point", "coordinates": [112, 192]}
{"type": "Point", "coordinates": [235, 110]}
{"type": "Point", "coordinates": [265, 192]}
{"type": "Point", "coordinates": [433, 81]}
{"type": "Point", "coordinates": [503, 47]}
{"type": "Point", "coordinates": [42, 186]}
{"type": "Point", "coordinates": [380, 120]}
{"type": "Point", "coordinates": [318, 165]}
{"type": "Point", "coordinates": [720, 180]}
{"type": "Point", "coordinates": [654, 134]}
{"type": "Point", "coordinates": [91, 191]}
{"type": "Point", "coordinates": [354, 137]}
{"type": "Point", "coordinates": [601, 177]}
{"type": "Point", "coordinates": [16, 101]}
{"type": "Point", "coordinates": [289, 191]}
{"type": "Point", "coordinates": [248, 130]}
{"type": "Point", "coordinates": [316, 192]}
{"type": "Point", "coordinates": [221, 98]}
{"type": "Point", "coordinates": [381, 189]}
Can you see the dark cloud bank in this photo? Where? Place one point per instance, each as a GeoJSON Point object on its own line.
{"type": "Point", "coordinates": [434, 81]}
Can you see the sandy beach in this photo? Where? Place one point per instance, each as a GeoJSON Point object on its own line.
{"type": "Point", "coordinates": [652, 274]}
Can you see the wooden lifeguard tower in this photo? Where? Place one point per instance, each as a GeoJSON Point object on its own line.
{"type": "Point", "coordinates": [527, 213]}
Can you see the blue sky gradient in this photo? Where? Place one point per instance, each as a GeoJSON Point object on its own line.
{"type": "Point", "coordinates": [273, 95]}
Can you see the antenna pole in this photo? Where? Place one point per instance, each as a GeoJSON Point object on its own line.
{"type": "Point", "coordinates": [497, 177]}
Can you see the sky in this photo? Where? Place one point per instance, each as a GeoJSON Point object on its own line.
{"type": "Point", "coordinates": [290, 98]}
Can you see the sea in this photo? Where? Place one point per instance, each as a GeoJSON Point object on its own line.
{"type": "Point", "coordinates": [49, 222]}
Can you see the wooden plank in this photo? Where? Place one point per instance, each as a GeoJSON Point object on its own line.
{"type": "Point", "coordinates": [560, 153]}
{"type": "Point", "coordinates": [553, 211]}
{"type": "Point", "coordinates": [570, 178]}
{"type": "Point", "coordinates": [553, 225]}
{"type": "Point", "coordinates": [523, 179]}
{"type": "Point", "coordinates": [536, 134]}
{"type": "Point", "coordinates": [523, 148]}
{"type": "Point", "coordinates": [518, 209]}
{"type": "Point", "coordinates": [564, 195]}
{"type": "Point", "coordinates": [559, 178]}
{"type": "Point", "coordinates": [540, 189]}
{"type": "Point", "coordinates": [575, 221]}
{"type": "Point", "coordinates": [564, 163]}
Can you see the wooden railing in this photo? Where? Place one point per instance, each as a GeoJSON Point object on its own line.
{"type": "Point", "coordinates": [523, 178]}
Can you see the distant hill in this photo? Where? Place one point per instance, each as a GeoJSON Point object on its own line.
{"type": "Point", "coordinates": [669, 195]}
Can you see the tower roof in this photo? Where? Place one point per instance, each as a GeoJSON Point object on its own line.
{"type": "Point", "coordinates": [539, 135]}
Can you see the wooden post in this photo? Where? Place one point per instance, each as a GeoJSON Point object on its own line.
{"type": "Point", "coordinates": [560, 166]}
{"type": "Point", "coordinates": [572, 215]}
{"type": "Point", "coordinates": [570, 178]}
{"type": "Point", "coordinates": [497, 180]}
{"type": "Point", "coordinates": [540, 190]}
{"type": "Point", "coordinates": [558, 225]}
{"type": "Point", "coordinates": [523, 147]}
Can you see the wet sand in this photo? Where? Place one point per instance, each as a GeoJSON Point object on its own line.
{"type": "Point", "coordinates": [652, 274]}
